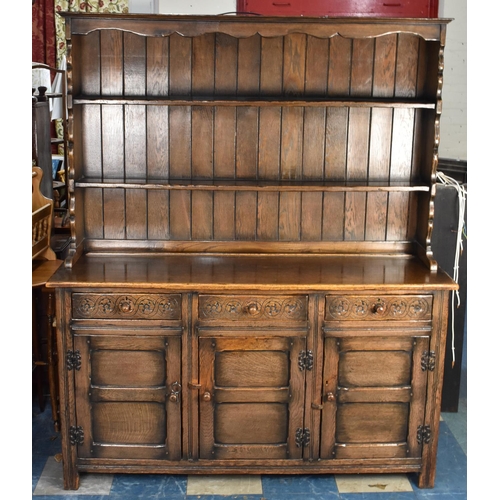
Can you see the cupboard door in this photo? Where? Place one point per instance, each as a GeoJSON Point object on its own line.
{"type": "Point", "coordinates": [128, 396]}
{"type": "Point", "coordinates": [251, 397]}
{"type": "Point", "coordinates": [374, 390]}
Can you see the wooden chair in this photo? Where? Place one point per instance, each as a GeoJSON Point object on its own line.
{"type": "Point", "coordinates": [44, 264]}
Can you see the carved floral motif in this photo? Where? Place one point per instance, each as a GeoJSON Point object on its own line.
{"type": "Point", "coordinates": [392, 307]}
{"type": "Point", "coordinates": [240, 308]}
{"type": "Point", "coordinates": [133, 306]}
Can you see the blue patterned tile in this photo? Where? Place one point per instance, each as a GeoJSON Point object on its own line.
{"type": "Point", "coordinates": [314, 485]}
{"type": "Point", "coordinates": [443, 495]}
{"type": "Point", "coordinates": [299, 496]}
{"type": "Point", "coordinates": [133, 486]}
{"type": "Point", "coordinates": [407, 495]}
{"type": "Point", "coordinates": [223, 497]}
{"type": "Point", "coordinates": [72, 497]}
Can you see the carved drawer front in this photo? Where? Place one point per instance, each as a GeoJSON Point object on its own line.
{"type": "Point", "coordinates": [378, 307]}
{"type": "Point", "coordinates": [252, 308]}
{"type": "Point", "coordinates": [126, 306]}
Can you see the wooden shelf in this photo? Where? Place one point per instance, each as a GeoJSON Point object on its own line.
{"type": "Point", "coordinates": [249, 101]}
{"type": "Point", "coordinates": [248, 185]}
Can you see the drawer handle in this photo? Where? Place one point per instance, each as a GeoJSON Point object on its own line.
{"type": "Point", "coordinates": [252, 308]}
{"type": "Point", "coordinates": [207, 396]}
{"type": "Point", "coordinates": [282, 4]}
{"type": "Point", "coordinates": [379, 308]}
{"type": "Point", "coordinates": [174, 393]}
{"type": "Point", "coordinates": [391, 4]}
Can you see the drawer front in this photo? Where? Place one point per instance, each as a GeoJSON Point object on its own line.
{"type": "Point", "coordinates": [378, 307]}
{"type": "Point", "coordinates": [252, 308]}
{"type": "Point", "coordinates": [126, 306]}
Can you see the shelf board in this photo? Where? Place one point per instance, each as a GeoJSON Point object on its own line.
{"type": "Point", "coordinates": [271, 101]}
{"type": "Point", "coordinates": [251, 185]}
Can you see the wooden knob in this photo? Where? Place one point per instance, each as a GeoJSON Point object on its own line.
{"type": "Point", "coordinates": [330, 396]}
{"type": "Point", "coordinates": [207, 396]}
{"type": "Point", "coordinates": [379, 308]}
{"type": "Point", "coordinates": [252, 308]}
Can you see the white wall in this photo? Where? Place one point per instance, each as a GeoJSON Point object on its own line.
{"type": "Point", "coordinates": [196, 6]}
{"type": "Point", "coordinates": [143, 6]}
{"type": "Point", "coordinates": [454, 118]}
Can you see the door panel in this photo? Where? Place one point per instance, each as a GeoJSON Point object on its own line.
{"type": "Point", "coordinates": [374, 394]}
{"type": "Point", "coordinates": [251, 397]}
{"type": "Point", "coordinates": [124, 411]}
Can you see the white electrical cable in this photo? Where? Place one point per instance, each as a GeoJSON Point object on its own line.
{"type": "Point", "coordinates": [461, 232]}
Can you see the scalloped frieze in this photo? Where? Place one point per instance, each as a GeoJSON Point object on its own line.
{"type": "Point", "coordinates": [244, 308]}
{"type": "Point", "coordinates": [126, 306]}
{"type": "Point", "coordinates": [397, 307]}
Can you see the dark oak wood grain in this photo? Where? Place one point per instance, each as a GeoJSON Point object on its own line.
{"type": "Point", "coordinates": [250, 286]}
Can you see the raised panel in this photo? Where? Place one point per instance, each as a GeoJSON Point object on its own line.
{"type": "Point", "coordinates": [251, 369]}
{"type": "Point", "coordinates": [118, 368]}
{"type": "Point", "coordinates": [374, 369]}
{"type": "Point", "coordinates": [251, 423]}
{"type": "Point", "coordinates": [372, 423]}
{"type": "Point", "coordinates": [129, 423]}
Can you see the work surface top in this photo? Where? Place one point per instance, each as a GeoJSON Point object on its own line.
{"type": "Point", "coordinates": [243, 272]}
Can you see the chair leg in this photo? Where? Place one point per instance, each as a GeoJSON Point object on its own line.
{"type": "Point", "coordinates": [52, 361]}
{"type": "Point", "coordinates": [37, 378]}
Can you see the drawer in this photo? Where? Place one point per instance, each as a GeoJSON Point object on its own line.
{"type": "Point", "coordinates": [126, 306]}
{"type": "Point", "coordinates": [252, 308]}
{"type": "Point", "coordinates": [378, 307]}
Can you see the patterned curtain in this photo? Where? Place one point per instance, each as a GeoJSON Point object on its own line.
{"type": "Point", "coordinates": [43, 47]}
{"type": "Point", "coordinates": [94, 6]}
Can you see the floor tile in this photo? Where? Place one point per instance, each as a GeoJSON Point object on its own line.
{"type": "Point", "coordinates": [51, 482]}
{"type": "Point", "coordinates": [395, 495]}
{"type": "Point", "coordinates": [457, 422]}
{"type": "Point", "coordinates": [135, 486]}
{"type": "Point", "coordinates": [289, 485]}
{"type": "Point", "coordinates": [373, 483]}
{"type": "Point", "coordinates": [224, 485]}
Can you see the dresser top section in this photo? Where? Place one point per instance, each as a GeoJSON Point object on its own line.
{"type": "Point", "coordinates": [237, 272]}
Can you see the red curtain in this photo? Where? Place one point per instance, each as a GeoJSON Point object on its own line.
{"type": "Point", "coordinates": [43, 32]}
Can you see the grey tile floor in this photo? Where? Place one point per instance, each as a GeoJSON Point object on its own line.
{"type": "Point", "coordinates": [451, 477]}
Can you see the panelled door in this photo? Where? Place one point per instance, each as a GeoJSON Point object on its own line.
{"type": "Point", "coordinates": [375, 395]}
{"type": "Point", "coordinates": [376, 362]}
{"type": "Point", "coordinates": [128, 392]}
{"type": "Point", "coordinates": [251, 396]}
